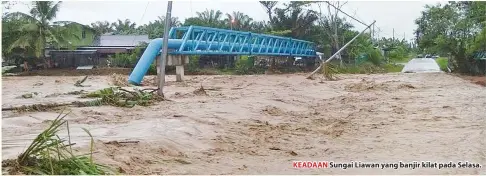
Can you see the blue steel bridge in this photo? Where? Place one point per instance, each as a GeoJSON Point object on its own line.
{"type": "Point", "coordinates": [197, 40]}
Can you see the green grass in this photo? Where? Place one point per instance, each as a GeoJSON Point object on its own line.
{"type": "Point", "coordinates": [365, 68]}
{"type": "Point", "coordinates": [391, 68]}
{"type": "Point", "coordinates": [442, 61]}
{"type": "Point", "coordinates": [48, 154]}
{"type": "Point", "coordinates": [403, 59]}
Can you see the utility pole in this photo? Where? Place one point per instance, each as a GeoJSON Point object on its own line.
{"type": "Point", "coordinates": [163, 57]}
{"type": "Point", "coordinates": [373, 32]}
{"type": "Point", "coordinates": [393, 33]}
{"type": "Point", "coordinates": [339, 51]}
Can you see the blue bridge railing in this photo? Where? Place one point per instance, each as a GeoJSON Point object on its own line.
{"type": "Point", "coordinates": [197, 40]}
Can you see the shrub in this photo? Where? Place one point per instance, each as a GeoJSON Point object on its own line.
{"type": "Point", "coordinates": [152, 70]}
{"type": "Point", "coordinates": [375, 57]}
{"type": "Point", "coordinates": [442, 62]}
{"type": "Point", "coordinates": [119, 60]}
{"type": "Point", "coordinates": [126, 60]}
{"type": "Point", "coordinates": [391, 68]}
{"type": "Point", "coordinates": [365, 68]}
{"type": "Point", "coordinates": [245, 65]}
{"type": "Point", "coordinates": [193, 65]}
{"type": "Point", "coordinates": [399, 54]}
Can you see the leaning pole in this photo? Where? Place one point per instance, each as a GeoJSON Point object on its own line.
{"type": "Point", "coordinates": [339, 51]}
{"type": "Point", "coordinates": [163, 57]}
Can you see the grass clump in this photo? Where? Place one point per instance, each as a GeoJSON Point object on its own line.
{"type": "Point", "coordinates": [120, 97]}
{"type": "Point", "coordinates": [48, 154]}
{"type": "Point", "coordinates": [442, 62]}
{"type": "Point", "coordinates": [329, 71]}
{"type": "Point", "coordinates": [365, 68]}
{"type": "Point", "coordinates": [391, 68]}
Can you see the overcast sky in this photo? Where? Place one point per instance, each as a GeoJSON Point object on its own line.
{"type": "Point", "coordinates": [389, 15]}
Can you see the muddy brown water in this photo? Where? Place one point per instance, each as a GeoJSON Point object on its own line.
{"type": "Point", "coordinates": [260, 124]}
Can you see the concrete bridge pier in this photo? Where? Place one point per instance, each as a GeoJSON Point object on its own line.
{"type": "Point", "coordinates": [178, 61]}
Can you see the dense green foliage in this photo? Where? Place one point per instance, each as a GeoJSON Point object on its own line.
{"type": "Point", "coordinates": [127, 60]}
{"type": "Point", "coordinates": [30, 34]}
{"type": "Point", "coordinates": [327, 28]}
{"type": "Point", "coordinates": [246, 65]}
{"type": "Point", "coordinates": [193, 65]}
{"type": "Point", "coordinates": [368, 68]}
{"type": "Point", "coordinates": [442, 62]}
{"type": "Point", "coordinates": [455, 29]}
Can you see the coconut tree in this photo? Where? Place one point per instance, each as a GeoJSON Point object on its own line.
{"type": "Point", "coordinates": [39, 30]}
{"type": "Point", "coordinates": [211, 18]}
{"type": "Point", "coordinates": [238, 21]}
{"type": "Point", "coordinates": [124, 27]}
{"type": "Point", "coordinates": [174, 22]}
{"type": "Point", "coordinates": [102, 27]}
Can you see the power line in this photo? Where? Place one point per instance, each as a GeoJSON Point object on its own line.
{"type": "Point", "coordinates": [143, 15]}
{"type": "Point", "coordinates": [355, 12]}
{"type": "Point", "coordinates": [190, 4]}
{"type": "Point", "coordinates": [346, 13]}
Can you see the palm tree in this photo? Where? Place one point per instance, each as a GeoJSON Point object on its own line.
{"type": "Point", "coordinates": [295, 18]}
{"type": "Point", "coordinates": [153, 29]}
{"type": "Point", "coordinates": [102, 27]}
{"type": "Point", "coordinates": [124, 27]}
{"type": "Point", "coordinates": [174, 22]}
{"type": "Point", "coordinates": [259, 26]}
{"type": "Point", "coordinates": [210, 17]}
{"type": "Point", "coordinates": [238, 21]}
{"type": "Point", "coordinates": [38, 30]}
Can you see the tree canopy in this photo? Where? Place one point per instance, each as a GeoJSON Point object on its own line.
{"type": "Point", "coordinates": [37, 30]}
{"type": "Point", "coordinates": [454, 29]}
{"type": "Point", "coordinates": [294, 19]}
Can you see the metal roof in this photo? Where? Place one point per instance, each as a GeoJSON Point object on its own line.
{"type": "Point", "coordinates": [73, 50]}
{"type": "Point", "coordinates": [54, 52]}
{"type": "Point", "coordinates": [121, 40]}
{"type": "Point", "coordinates": [107, 47]}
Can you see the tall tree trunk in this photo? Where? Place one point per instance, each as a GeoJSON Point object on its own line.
{"type": "Point", "coordinates": [43, 56]}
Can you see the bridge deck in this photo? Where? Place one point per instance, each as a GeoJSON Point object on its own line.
{"type": "Point", "coordinates": [197, 40]}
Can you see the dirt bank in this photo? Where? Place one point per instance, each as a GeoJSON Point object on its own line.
{"type": "Point", "coordinates": [480, 80]}
{"type": "Point", "coordinates": [260, 124]}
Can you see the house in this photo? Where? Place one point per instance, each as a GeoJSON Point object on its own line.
{"type": "Point", "coordinates": [107, 45]}
{"type": "Point", "coordinates": [97, 52]}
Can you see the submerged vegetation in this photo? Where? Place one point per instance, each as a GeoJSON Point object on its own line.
{"type": "Point", "coordinates": [113, 96]}
{"type": "Point", "coordinates": [48, 154]}
{"type": "Point", "coordinates": [120, 97]}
